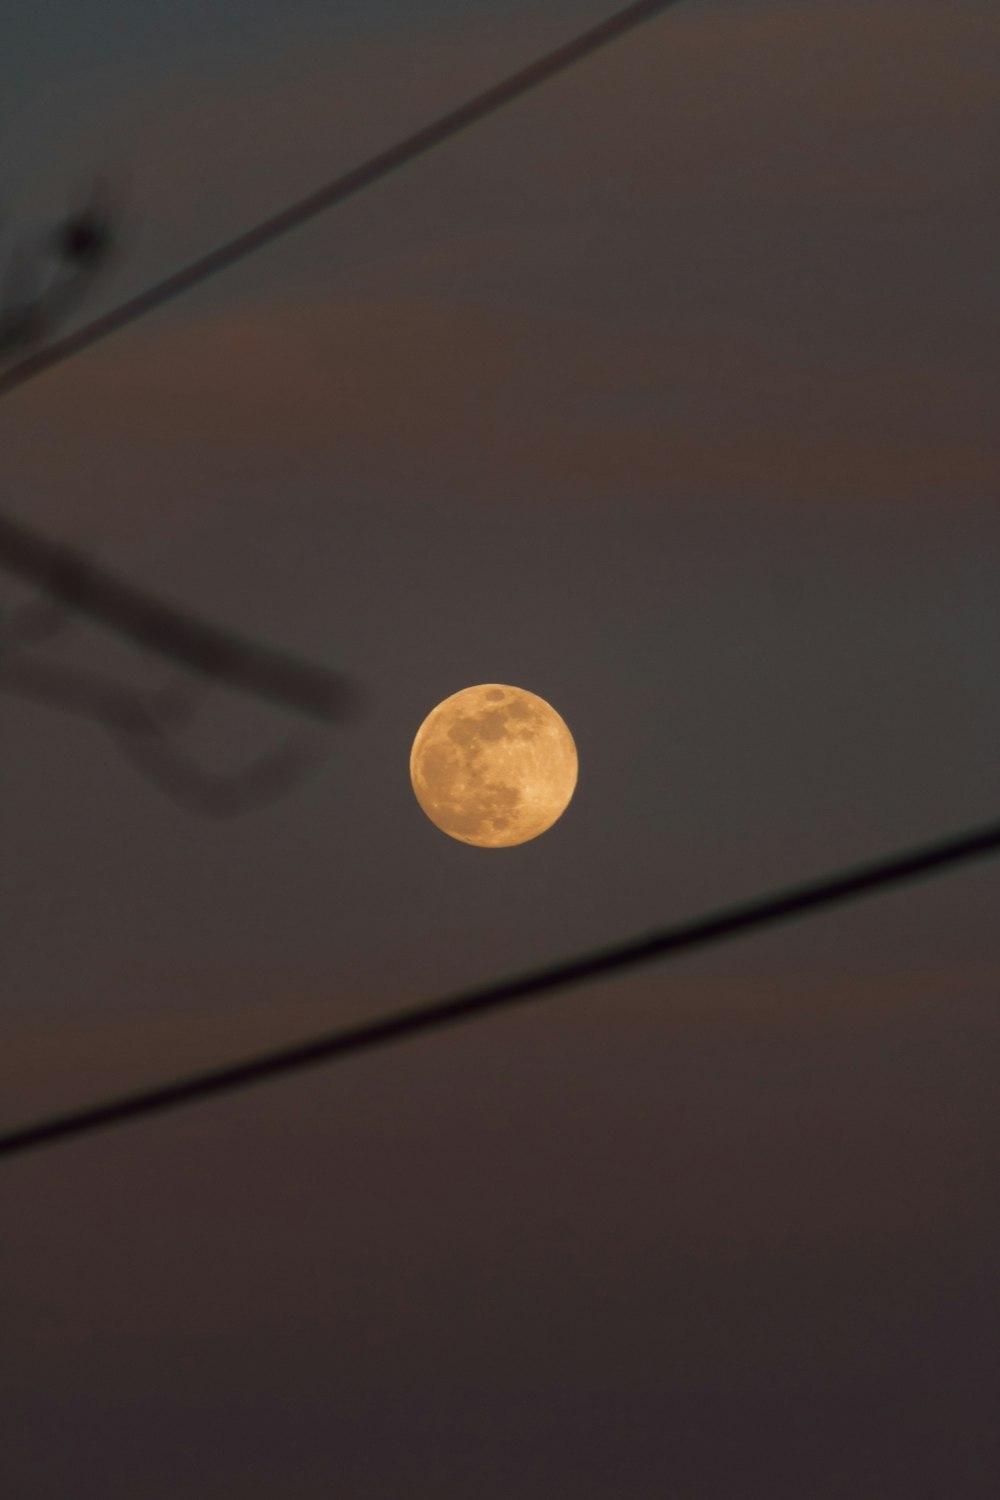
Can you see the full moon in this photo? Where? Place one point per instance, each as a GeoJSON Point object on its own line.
{"type": "Point", "coordinates": [493, 766]}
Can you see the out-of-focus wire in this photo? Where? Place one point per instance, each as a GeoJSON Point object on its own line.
{"type": "Point", "coordinates": [470, 1005]}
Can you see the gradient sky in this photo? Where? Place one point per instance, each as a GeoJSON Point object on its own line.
{"type": "Point", "coordinates": [668, 394]}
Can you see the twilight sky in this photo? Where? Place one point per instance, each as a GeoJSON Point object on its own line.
{"type": "Point", "coordinates": [668, 394]}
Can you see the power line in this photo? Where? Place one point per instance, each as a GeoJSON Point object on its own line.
{"type": "Point", "coordinates": [469, 1005]}
{"type": "Point", "coordinates": [194, 643]}
{"type": "Point", "coordinates": [345, 186]}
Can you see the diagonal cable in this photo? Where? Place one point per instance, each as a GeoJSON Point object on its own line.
{"type": "Point", "coordinates": [345, 186]}
{"type": "Point", "coordinates": [251, 667]}
{"type": "Point", "coordinates": [469, 1005]}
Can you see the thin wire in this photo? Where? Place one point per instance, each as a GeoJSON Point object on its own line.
{"type": "Point", "coordinates": [194, 643]}
{"type": "Point", "coordinates": [345, 186]}
{"type": "Point", "coordinates": [471, 1005]}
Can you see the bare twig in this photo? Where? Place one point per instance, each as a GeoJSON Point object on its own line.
{"type": "Point", "coordinates": [142, 727]}
{"type": "Point", "coordinates": [42, 287]}
{"type": "Point", "coordinates": [198, 645]}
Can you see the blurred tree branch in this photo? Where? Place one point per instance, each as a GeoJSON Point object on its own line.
{"type": "Point", "coordinates": [143, 726]}
{"type": "Point", "coordinates": [34, 299]}
{"type": "Point", "coordinates": [41, 288]}
{"type": "Point", "coordinates": [43, 285]}
{"type": "Point", "coordinates": [251, 667]}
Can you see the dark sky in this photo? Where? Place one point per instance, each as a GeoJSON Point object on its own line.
{"type": "Point", "coordinates": [670, 395]}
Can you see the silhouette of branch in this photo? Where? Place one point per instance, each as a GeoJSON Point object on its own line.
{"type": "Point", "coordinates": [142, 726]}
{"type": "Point", "coordinates": [137, 723]}
{"type": "Point", "coordinates": [42, 287]}
{"type": "Point", "coordinates": [202, 647]}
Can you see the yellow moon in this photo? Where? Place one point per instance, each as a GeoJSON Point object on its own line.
{"type": "Point", "coordinates": [493, 766]}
